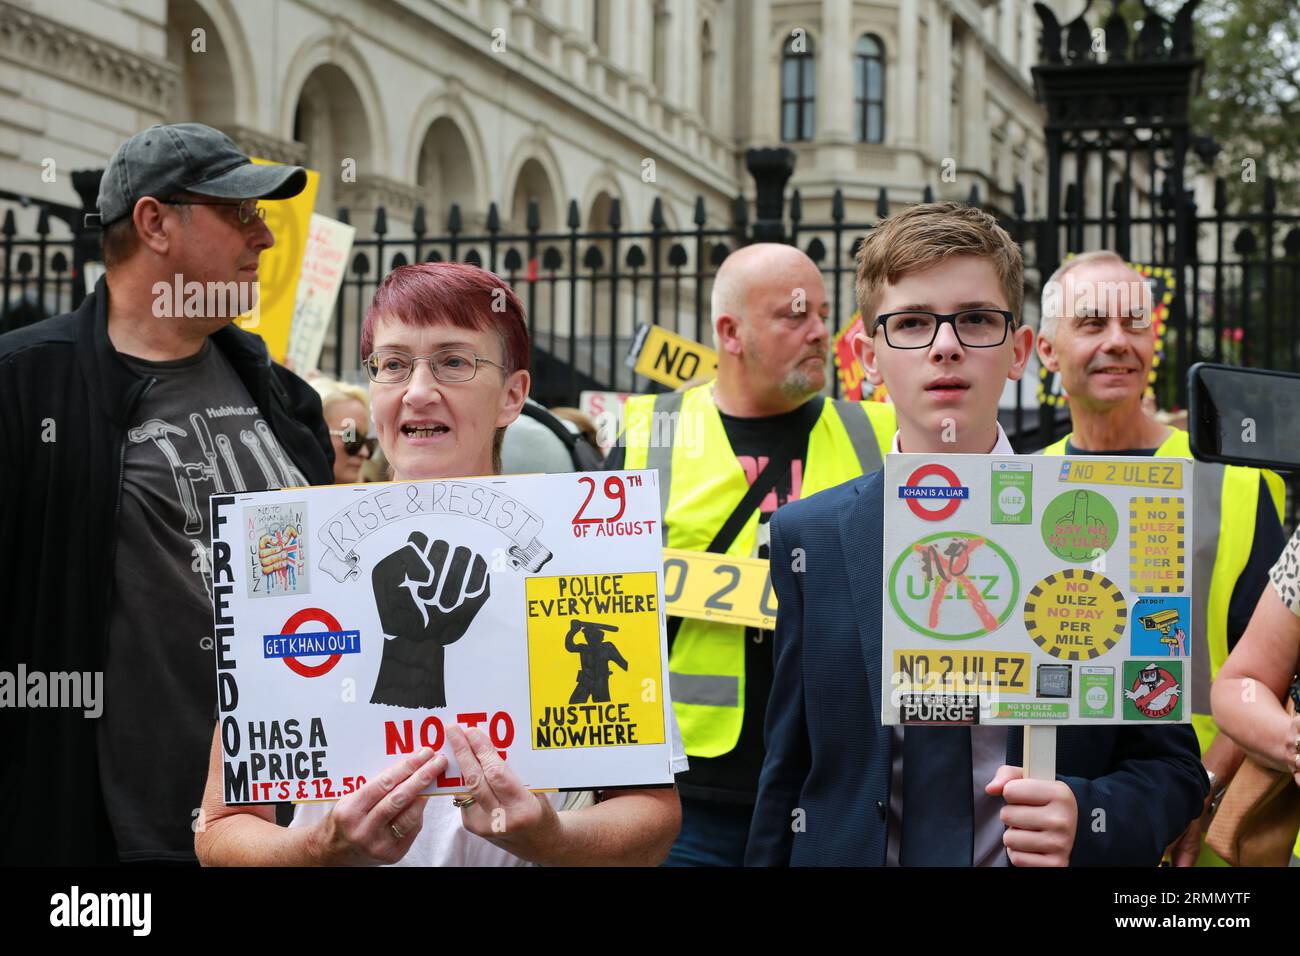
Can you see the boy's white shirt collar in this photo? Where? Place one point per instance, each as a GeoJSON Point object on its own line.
{"type": "Point", "coordinates": [1000, 447]}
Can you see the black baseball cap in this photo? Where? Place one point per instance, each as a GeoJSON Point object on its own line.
{"type": "Point", "coordinates": [187, 157]}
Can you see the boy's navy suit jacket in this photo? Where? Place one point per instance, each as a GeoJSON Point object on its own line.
{"type": "Point", "coordinates": [1137, 787]}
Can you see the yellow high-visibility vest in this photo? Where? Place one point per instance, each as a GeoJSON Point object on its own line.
{"type": "Point", "coordinates": [700, 483]}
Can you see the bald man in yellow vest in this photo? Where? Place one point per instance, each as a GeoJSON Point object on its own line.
{"type": "Point", "coordinates": [1096, 333]}
{"type": "Point", "coordinates": [762, 422]}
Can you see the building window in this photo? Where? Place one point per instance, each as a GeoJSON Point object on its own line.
{"type": "Point", "coordinates": [798, 88]}
{"type": "Point", "coordinates": [869, 89]}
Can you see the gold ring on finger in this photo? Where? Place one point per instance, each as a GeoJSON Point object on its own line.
{"type": "Point", "coordinates": [397, 834]}
{"type": "Point", "coordinates": [462, 801]}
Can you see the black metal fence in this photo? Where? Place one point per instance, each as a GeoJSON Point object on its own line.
{"type": "Point", "coordinates": [36, 274]}
{"type": "Point", "coordinates": [587, 290]}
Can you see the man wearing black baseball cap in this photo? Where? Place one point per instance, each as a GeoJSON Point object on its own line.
{"type": "Point", "coordinates": [117, 422]}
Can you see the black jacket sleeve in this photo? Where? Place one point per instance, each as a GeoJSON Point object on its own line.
{"type": "Point", "coordinates": [1155, 788]}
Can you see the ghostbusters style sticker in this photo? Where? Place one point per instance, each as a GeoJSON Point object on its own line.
{"type": "Point", "coordinates": [1153, 690]}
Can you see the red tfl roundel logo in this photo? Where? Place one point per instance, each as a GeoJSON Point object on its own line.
{"type": "Point", "coordinates": [318, 616]}
{"type": "Point", "coordinates": [914, 493]}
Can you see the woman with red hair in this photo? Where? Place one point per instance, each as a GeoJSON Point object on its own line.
{"type": "Point", "coordinates": [447, 354]}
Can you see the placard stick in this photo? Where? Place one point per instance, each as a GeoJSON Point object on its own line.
{"type": "Point", "coordinates": [1040, 752]}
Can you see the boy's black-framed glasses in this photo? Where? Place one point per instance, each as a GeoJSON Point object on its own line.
{"type": "Point", "coordinates": [916, 329]}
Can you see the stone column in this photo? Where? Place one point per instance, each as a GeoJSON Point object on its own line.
{"type": "Point", "coordinates": [764, 94]}
{"type": "Point", "coordinates": [1008, 14]}
{"type": "Point", "coordinates": [901, 123]}
{"type": "Point", "coordinates": [939, 61]}
{"type": "Point", "coordinates": [638, 21]}
{"type": "Point", "coordinates": [688, 37]}
{"type": "Point", "coordinates": [974, 109]}
{"type": "Point", "coordinates": [835, 75]}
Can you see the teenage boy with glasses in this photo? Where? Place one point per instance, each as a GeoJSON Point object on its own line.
{"type": "Point", "coordinates": [866, 794]}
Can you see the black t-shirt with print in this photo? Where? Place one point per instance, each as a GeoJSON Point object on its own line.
{"type": "Point", "coordinates": [733, 777]}
{"type": "Point", "coordinates": [197, 432]}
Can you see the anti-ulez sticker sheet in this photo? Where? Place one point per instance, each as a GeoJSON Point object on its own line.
{"type": "Point", "coordinates": [1029, 589]}
{"type": "Point", "coordinates": [356, 623]}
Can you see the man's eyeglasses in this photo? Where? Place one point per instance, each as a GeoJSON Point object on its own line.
{"type": "Point", "coordinates": [354, 446]}
{"type": "Point", "coordinates": [975, 328]}
{"type": "Point", "coordinates": [248, 208]}
{"type": "Point", "coordinates": [393, 366]}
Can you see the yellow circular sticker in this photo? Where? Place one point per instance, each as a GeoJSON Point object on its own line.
{"type": "Point", "coordinates": [1075, 615]}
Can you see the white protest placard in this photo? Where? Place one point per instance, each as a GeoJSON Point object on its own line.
{"type": "Point", "coordinates": [355, 623]}
{"type": "Point", "coordinates": [1037, 590]}
{"type": "Point", "coordinates": [324, 263]}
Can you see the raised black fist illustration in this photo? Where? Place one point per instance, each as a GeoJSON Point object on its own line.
{"type": "Point", "coordinates": [427, 596]}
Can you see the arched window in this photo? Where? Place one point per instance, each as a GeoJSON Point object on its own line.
{"type": "Point", "coordinates": [869, 89]}
{"type": "Point", "coordinates": [798, 88]}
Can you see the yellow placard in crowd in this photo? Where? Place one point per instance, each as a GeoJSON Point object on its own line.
{"type": "Point", "coordinates": [718, 587]}
{"type": "Point", "coordinates": [1161, 473]}
{"type": "Point", "coordinates": [962, 671]}
{"type": "Point", "coordinates": [280, 267]}
{"type": "Point", "coordinates": [670, 359]}
{"type": "Point", "coordinates": [593, 660]}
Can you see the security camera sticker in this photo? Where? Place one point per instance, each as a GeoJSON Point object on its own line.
{"type": "Point", "coordinates": [1159, 627]}
{"type": "Point", "coordinates": [276, 549]}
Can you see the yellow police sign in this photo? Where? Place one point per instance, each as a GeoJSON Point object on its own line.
{"type": "Point", "coordinates": [593, 660]}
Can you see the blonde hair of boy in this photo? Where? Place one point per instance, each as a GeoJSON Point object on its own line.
{"type": "Point", "coordinates": [927, 234]}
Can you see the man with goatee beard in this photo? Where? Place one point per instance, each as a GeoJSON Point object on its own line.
{"type": "Point", "coordinates": [729, 453]}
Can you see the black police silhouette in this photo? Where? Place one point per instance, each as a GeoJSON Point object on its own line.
{"type": "Point", "coordinates": [427, 596]}
{"type": "Point", "coordinates": [596, 656]}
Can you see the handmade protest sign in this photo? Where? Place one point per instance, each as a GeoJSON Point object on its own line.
{"type": "Point", "coordinates": [1023, 589]}
{"type": "Point", "coordinates": [356, 623]}
{"type": "Point", "coordinates": [324, 263]}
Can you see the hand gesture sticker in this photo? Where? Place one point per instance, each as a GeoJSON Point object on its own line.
{"type": "Point", "coordinates": [427, 595]}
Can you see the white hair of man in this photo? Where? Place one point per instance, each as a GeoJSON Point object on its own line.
{"type": "Point", "coordinates": [1057, 303]}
